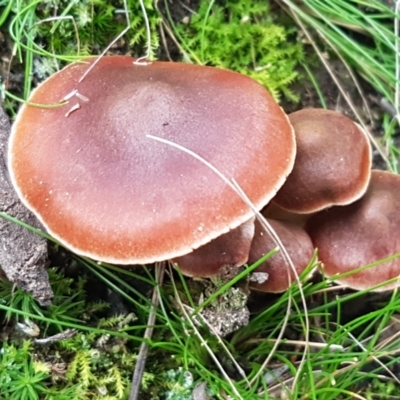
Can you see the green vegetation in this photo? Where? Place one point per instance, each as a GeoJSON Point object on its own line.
{"type": "Point", "coordinates": [320, 343]}
{"type": "Point", "coordinates": [48, 34]}
{"type": "Point", "coordinates": [361, 32]}
{"type": "Point", "coordinates": [362, 36]}
{"type": "Point", "coordinates": [94, 361]}
{"type": "Point", "coordinates": [350, 349]}
{"type": "Point", "coordinates": [242, 36]}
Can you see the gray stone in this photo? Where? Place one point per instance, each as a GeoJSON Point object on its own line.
{"type": "Point", "coordinates": [23, 253]}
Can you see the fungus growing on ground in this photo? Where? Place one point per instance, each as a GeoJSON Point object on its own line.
{"type": "Point", "coordinates": [364, 232]}
{"type": "Point", "coordinates": [275, 275]}
{"type": "Point", "coordinates": [105, 190]}
{"type": "Point", "coordinates": [228, 250]}
{"type": "Point", "coordinates": [333, 162]}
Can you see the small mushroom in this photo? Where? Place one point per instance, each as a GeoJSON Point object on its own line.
{"type": "Point", "coordinates": [228, 250]}
{"type": "Point", "coordinates": [362, 233]}
{"type": "Point", "coordinates": [275, 275]}
{"type": "Point", "coordinates": [105, 190]}
{"type": "Point", "coordinates": [332, 164]}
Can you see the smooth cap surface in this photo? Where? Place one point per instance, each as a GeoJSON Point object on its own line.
{"type": "Point", "coordinates": [361, 233]}
{"type": "Point", "coordinates": [106, 190]}
{"type": "Point", "coordinates": [278, 273]}
{"type": "Point", "coordinates": [230, 250]}
{"type": "Point", "coordinates": [333, 162]}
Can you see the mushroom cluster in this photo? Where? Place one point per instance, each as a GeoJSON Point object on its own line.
{"type": "Point", "coordinates": [135, 164]}
{"type": "Point", "coordinates": [362, 236]}
{"type": "Point", "coordinates": [349, 212]}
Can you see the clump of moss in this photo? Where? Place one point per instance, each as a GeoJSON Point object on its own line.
{"type": "Point", "coordinates": [93, 25]}
{"type": "Point", "coordinates": [241, 36]}
{"type": "Point", "coordinates": [46, 35]}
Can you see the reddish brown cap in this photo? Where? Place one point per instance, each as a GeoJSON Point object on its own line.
{"type": "Point", "coordinates": [107, 191]}
{"type": "Point", "coordinates": [333, 162]}
{"type": "Point", "coordinates": [364, 232]}
{"type": "Point", "coordinates": [275, 273]}
{"type": "Point", "coordinates": [229, 250]}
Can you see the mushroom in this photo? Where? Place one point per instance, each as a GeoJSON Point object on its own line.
{"type": "Point", "coordinates": [332, 164]}
{"type": "Point", "coordinates": [106, 190]}
{"type": "Point", "coordinates": [230, 250]}
{"type": "Point", "coordinates": [275, 274]}
{"type": "Point", "coordinates": [362, 233]}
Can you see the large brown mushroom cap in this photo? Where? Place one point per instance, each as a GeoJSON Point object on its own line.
{"type": "Point", "coordinates": [107, 191]}
{"type": "Point", "coordinates": [333, 162]}
{"type": "Point", "coordinates": [364, 232]}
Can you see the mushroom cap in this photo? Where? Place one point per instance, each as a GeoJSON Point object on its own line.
{"type": "Point", "coordinates": [279, 275]}
{"type": "Point", "coordinates": [229, 250]}
{"type": "Point", "coordinates": [361, 233]}
{"type": "Point", "coordinates": [107, 191]}
{"type": "Point", "coordinates": [333, 162]}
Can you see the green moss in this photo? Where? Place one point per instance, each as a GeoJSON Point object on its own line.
{"type": "Point", "coordinates": [241, 36]}
{"type": "Point", "coordinates": [88, 26]}
{"type": "Point", "coordinates": [48, 34]}
{"type": "Point", "coordinates": [89, 365]}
